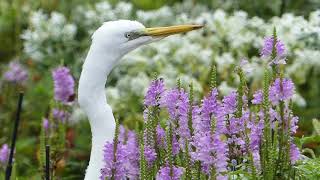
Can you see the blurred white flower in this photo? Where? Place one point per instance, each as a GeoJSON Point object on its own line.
{"type": "Point", "coordinates": [225, 89]}
{"type": "Point", "coordinates": [224, 61]}
{"type": "Point", "coordinates": [47, 32]}
{"type": "Point", "coordinates": [299, 100]}
{"type": "Point", "coordinates": [113, 96]}
{"type": "Point", "coordinates": [77, 115]}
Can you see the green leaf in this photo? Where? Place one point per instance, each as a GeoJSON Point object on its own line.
{"type": "Point", "coordinates": [310, 139]}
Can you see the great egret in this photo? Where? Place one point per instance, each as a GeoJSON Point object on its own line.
{"type": "Point", "coordinates": [110, 42]}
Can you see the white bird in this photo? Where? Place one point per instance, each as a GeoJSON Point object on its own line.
{"type": "Point", "coordinates": [110, 42]}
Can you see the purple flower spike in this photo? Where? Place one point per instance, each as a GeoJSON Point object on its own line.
{"type": "Point", "coordinates": [60, 115]}
{"type": "Point", "coordinates": [230, 103]}
{"type": "Point", "coordinates": [202, 116]}
{"type": "Point", "coordinates": [177, 103]}
{"type": "Point", "coordinates": [268, 46]}
{"type": "Point", "coordinates": [121, 156]}
{"type": "Point", "coordinates": [150, 154]}
{"type": "Point", "coordinates": [4, 154]}
{"type": "Point", "coordinates": [132, 166]}
{"type": "Point", "coordinates": [16, 73]}
{"type": "Point", "coordinates": [164, 173]}
{"type": "Point", "coordinates": [45, 124]}
{"type": "Point", "coordinates": [257, 97]}
{"type": "Point", "coordinates": [154, 93]}
{"type": "Point", "coordinates": [170, 100]}
{"type": "Point", "coordinates": [161, 139]}
{"type": "Point", "coordinates": [294, 153]}
{"type": "Point", "coordinates": [221, 158]}
{"type": "Point", "coordinates": [63, 85]}
{"type": "Point", "coordinates": [278, 93]}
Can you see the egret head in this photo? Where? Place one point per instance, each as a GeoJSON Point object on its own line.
{"type": "Point", "coordinates": [123, 36]}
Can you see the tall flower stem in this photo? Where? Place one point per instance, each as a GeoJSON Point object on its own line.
{"type": "Point", "coordinates": [143, 165]}
{"type": "Point", "coordinates": [191, 99]}
{"type": "Point", "coordinates": [170, 150]}
{"type": "Point", "coordinates": [115, 147]}
{"type": "Point", "coordinates": [14, 136]}
{"type": "Point", "coordinates": [266, 141]}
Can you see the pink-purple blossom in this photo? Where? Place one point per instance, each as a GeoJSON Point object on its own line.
{"type": "Point", "coordinates": [45, 124]}
{"type": "Point", "coordinates": [154, 93]}
{"type": "Point", "coordinates": [230, 103]}
{"type": "Point", "coordinates": [111, 167]}
{"type": "Point", "coordinates": [177, 103]}
{"type": "Point", "coordinates": [211, 108]}
{"type": "Point", "coordinates": [63, 85]}
{"type": "Point", "coordinates": [164, 173]}
{"type": "Point", "coordinates": [281, 90]}
{"type": "Point", "coordinates": [4, 154]}
{"type": "Point", "coordinates": [149, 154]}
{"type": "Point", "coordinates": [268, 47]}
{"type": "Point", "coordinates": [60, 115]}
{"type": "Point", "coordinates": [294, 153]}
{"type": "Point", "coordinates": [257, 97]}
{"type": "Point", "coordinates": [16, 73]}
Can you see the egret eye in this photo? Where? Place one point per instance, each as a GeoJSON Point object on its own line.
{"type": "Point", "coordinates": [127, 35]}
{"type": "Point", "coordinates": [132, 35]}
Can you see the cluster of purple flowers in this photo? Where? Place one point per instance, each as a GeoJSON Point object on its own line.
{"type": "Point", "coordinates": [4, 154]}
{"type": "Point", "coordinates": [210, 137]}
{"type": "Point", "coordinates": [274, 45]}
{"type": "Point", "coordinates": [16, 73]}
{"type": "Point", "coordinates": [126, 156]}
{"type": "Point", "coordinates": [63, 85]}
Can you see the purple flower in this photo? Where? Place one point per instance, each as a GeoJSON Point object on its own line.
{"type": "Point", "coordinates": [255, 135]}
{"type": "Point", "coordinates": [294, 124]}
{"type": "Point", "coordinates": [268, 46]}
{"type": "Point", "coordinates": [132, 165]}
{"type": "Point", "coordinates": [221, 158]}
{"type": "Point", "coordinates": [161, 139]}
{"type": "Point", "coordinates": [110, 165]}
{"type": "Point", "coordinates": [128, 151]}
{"type": "Point", "coordinates": [45, 124]}
{"type": "Point", "coordinates": [177, 103]}
{"type": "Point", "coordinates": [202, 141]}
{"type": "Point", "coordinates": [175, 145]}
{"type": "Point", "coordinates": [164, 173]}
{"type": "Point", "coordinates": [60, 115]}
{"type": "Point", "coordinates": [170, 100]}
{"type": "Point", "coordinates": [281, 91]}
{"type": "Point", "coordinates": [154, 93]}
{"type": "Point", "coordinates": [294, 153]}
{"type": "Point", "coordinates": [63, 85]}
{"type": "Point", "coordinates": [16, 73]}
{"type": "Point", "coordinates": [210, 109]}
{"type": "Point", "coordinates": [230, 103]}
{"type": "Point", "coordinates": [149, 154]}
{"type": "Point", "coordinates": [4, 154]}
{"type": "Point", "coordinates": [257, 97]}
{"type": "Point", "coordinates": [122, 137]}
{"type": "Point", "coordinates": [222, 177]}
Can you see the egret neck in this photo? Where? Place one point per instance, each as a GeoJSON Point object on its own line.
{"type": "Point", "coordinates": [92, 99]}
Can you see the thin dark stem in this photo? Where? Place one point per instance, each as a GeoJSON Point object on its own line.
{"type": "Point", "coordinates": [47, 162]}
{"type": "Point", "coordinates": [14, 137]}
{"type": "Point", "coordinates": [282, 7]}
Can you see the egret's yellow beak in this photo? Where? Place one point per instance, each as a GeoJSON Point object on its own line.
{"type": "Point", "coordinates": [170, 30]}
